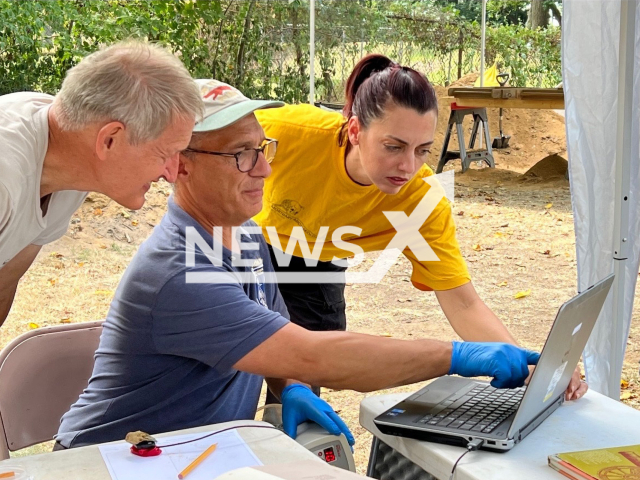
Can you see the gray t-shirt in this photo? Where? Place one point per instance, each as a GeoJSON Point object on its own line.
{"type": "Point", "coordinates": [24, 138]}
{"type": "Point", "coordinates": [166, 355]}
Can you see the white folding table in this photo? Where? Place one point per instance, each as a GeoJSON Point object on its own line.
{"type": "Point", "coordinates": [271, 446]}
{"type": "Point", "coordinates": [594, 421]}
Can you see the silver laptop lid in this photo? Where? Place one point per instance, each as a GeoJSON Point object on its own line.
{"type": "Point", "coordinates": [568, 337]}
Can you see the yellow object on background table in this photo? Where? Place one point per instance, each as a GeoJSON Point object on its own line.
{"type": "Point", "coordinates": [490, 77]}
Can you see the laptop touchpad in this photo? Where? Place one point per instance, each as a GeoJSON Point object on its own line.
{"type": "Point", "coordinates": [435, 393]}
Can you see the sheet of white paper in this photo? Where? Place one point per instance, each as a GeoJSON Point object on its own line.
{"type": "Point", "coordinates": [232, 452]}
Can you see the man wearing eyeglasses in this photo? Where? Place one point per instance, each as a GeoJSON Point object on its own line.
{"type": "Point", "coordinates": [168, 352]}
{"type": "Point", "coordinates": [177, 353]}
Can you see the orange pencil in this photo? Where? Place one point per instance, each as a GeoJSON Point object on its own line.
{"type": "Point", "coordinates": [197, 461]}
{"type": "Point", "coordinates": [7, 475]}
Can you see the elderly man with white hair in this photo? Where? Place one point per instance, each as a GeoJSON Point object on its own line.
{"type": "Point", "coordinates": [191, 333]}
{"type": "Point", "coordinates": [118, 124]}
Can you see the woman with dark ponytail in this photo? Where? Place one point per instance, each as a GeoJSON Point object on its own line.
{"type": "Point", "coordinates": [351, 170]}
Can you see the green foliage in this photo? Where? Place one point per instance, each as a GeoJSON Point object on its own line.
{"type": "Point", "coordinates": [262, 46]}
{"type": "Point", "coordinates": [507, 12]}
{"type": "Point", "coordinates": [499, 12]}
{"type": "Point", "coordinates": [531, 57]}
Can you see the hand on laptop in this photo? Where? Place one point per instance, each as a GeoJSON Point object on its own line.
{"type": "Point", "coordinates": [506, 363]}
{"type": "Point", "coordinates": [577, 387]}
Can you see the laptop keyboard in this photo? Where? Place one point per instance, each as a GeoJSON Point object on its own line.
{"type": "Point", "coordinates": [479, 410]}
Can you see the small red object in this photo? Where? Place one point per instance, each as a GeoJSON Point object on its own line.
{"type": "Point", "coordinates": [145, 452]}
{"type": "Point", "coordinates": [455, 106]}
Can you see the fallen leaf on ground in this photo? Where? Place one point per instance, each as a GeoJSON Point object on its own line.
{"type": "Point", "coordinates": [624, 384]}
{"type": "Point", "coordinates": [522, 294]}
{"type": "Point", "coordinates": [625, 396]}
{"type": "Point", "coordinates": [33, 326]}
{"type": "Point", "coordinates": [548, 206]}
{"type": "Point", "coordinates": [460, 213]}
{"type": "Point", "coordinates": [134, 223]}
{"type": "Point", "coordinates": [97, 212]}
{"type": "Point", "coordinates": [65, 320]}
{"type": "Point", "coordinates": [56, 255]}
{"type": "Point", "coordinates": [103, 292]}
{"type": "Point", "coordinates": [477, 247]}
{"type": "Point", "coordinates": [386, 334]}
{"type": "Point", "coordinates": [502, 284]}
{"type": "Point", "coordinates": [475, 215]}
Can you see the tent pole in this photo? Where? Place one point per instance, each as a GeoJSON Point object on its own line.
{"type": "Point", "coordinates": [312, 51]}
{"type": "Point", "coordinates": [483, 41]}
{"type": "Point", "coordinates": [621, 245]}
{"type": "Point", "coordinates": [482, 49]}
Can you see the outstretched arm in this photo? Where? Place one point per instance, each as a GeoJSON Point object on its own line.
{"type": "Point", "coordinates": [11, 274]}
{"type": "Point", "coordinates": [474, 321]}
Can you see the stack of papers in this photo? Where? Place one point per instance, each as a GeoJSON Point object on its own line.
{"type": "Point", "coordinates": [232, 453]}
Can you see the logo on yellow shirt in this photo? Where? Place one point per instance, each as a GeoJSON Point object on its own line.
{"type": "Point", "coordinates": [290, 209]}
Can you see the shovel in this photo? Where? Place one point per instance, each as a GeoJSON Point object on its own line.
{"type": "Point", "coordinates": [503, 140]}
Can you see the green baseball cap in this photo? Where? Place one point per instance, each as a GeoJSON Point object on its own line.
{"type": "Point", "coordinates": [224, 105]}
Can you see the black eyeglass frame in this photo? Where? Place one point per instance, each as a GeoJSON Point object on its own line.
{"type": "Point", "coordinates": [268, 141]}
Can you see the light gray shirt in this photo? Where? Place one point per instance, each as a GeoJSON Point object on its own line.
{"type": "Point", "coordinates": [24, 134]}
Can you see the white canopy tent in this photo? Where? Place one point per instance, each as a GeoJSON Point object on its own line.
{"type": "Point", "coordinates": [601, 75]}
{"type": "Point", "coordinates": [601, 78]}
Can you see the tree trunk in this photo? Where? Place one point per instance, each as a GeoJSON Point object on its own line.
{"type": "Point", "coordinates": [243, 43]}
{"type": "Point", "coordinates": [538, 15]}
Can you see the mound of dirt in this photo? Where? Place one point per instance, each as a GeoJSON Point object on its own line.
{"type": "Point", "coordinates": [548, 173]}
{"type": "Point", "coordinates": [466, 81]}
{"type": "Point", "coordinates": [551, 167]}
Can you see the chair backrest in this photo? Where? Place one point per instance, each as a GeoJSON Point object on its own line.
{"type": "Point", "coordinates": [42, 373]}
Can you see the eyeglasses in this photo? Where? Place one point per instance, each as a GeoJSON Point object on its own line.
{"type": "Point", "coordinates": [246, 159]}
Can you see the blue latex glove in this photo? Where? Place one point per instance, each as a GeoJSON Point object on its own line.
{"type": "Point", "coordinates": [300, 404]}
{"type": "Point", "coordinates": [506, 363]}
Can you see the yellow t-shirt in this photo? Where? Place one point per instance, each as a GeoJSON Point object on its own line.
{"type": "Point", "coordinates": [309, 188]}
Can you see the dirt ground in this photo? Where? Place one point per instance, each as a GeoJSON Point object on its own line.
{"type": "Point", "coordinates": [515, 230]}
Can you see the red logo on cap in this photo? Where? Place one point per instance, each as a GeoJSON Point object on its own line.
{"type": "Point", "coordinates": [217, 91]}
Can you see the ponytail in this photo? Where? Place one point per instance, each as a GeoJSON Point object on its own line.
{"type": "Point", "coordinates": [363, 70]}
{"type": "Point", "coordinates": [375, 81]}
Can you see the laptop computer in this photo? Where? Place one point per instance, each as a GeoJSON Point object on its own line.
{"type": "Point", "coordinates": [457, 411]}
